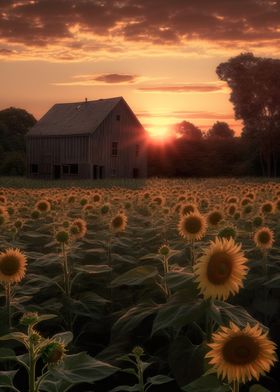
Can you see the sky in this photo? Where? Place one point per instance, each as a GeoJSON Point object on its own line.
{"type": "Point", "coordinates": [160, 55]}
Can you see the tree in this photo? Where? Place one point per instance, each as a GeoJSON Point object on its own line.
{"type": "Point", "coordinates": [255, 94]}
{"type": "Point", "coordinates": [187, 131]}
{"type": "Point", "coordinates": [14, 124]}
{"type": "Point", "coordinates": [220, 130]}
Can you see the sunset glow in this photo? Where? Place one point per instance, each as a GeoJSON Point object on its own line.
{"type": "Point", "coordinates": [162, 60]}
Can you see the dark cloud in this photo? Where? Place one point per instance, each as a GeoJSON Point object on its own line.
{"type": "Point", "coordinates": [115, 78]}
{"type": "Point", "coordinates": [189, 88]}
{"type": "Point", "coordinates": [42, 22]}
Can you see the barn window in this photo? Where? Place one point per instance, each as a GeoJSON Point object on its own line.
{"type": "Point", "coordinates": [65, 169]}
{"type": "Point", "coordinates": [137, 149]}
{"type": "Point", "coordinates": [115, 148]}
{"type": "Point", "coordinates": [118, 117]}
{"type": "Point", "coordinates": [74, 169]}
{"type": "Point", "coordinates": [34, 168]}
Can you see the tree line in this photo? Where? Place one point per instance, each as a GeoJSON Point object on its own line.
{"type": "Point", "coordinates": [255, 94]}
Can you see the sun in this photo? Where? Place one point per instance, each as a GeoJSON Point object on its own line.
{"type": "Point", "coordinates": [159, 133]}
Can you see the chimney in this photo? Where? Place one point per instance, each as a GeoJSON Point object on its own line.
{"type": "Point", "coordinates": [85, 100]}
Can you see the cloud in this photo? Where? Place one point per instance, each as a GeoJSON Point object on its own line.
{"type": "Point", "coordinates": [186, 88]}
{"type": "Point", "coordinates": [185, 115]}
{"type": "Point", "coordinates": [116, 78]}
{"type": "Point", "coordinates": [101, 79]}
{"type": "Point", "coordinates": [81, 25]}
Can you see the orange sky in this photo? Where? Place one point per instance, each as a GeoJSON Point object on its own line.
{"type": "Point", "coordinates": [159, 55]}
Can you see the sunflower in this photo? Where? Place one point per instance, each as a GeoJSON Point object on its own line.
{"type": "Point", "coordinates": [119, 222]}
{"type": "Point", "coordinates": [241, 355]}
{"type": "Point", "coordinates": [12, 266]}
{"type": "Point", "coordinates": [78, 228]}
{"type": "Point", "coordinates": [43, 206]}
{"type": "Point", "coordinates": [214, 218]}
{"type": "Point", "coordinates": [221, 270]}
{"type": "Point", "coordinates": [264, 238]}
{"type": "Point", "coordinates": [192, 226]}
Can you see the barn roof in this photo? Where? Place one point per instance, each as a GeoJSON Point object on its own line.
{"type": "Point", "coordinates": [74, 118]}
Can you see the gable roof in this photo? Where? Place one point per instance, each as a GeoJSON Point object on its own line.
{"type": "Point", "coordinates": [74, 118]}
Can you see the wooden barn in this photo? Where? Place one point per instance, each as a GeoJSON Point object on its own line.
{"type": "Point", "coordinates": [90, 139]}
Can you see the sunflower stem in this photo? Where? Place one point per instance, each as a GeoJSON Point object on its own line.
{"type": "Point", "coordinates": [235, 386]}
{"type": "Point", "coordinates": [8, 303]}
{"type": "Point", "coordinates": [32, 362]}
{"type": "Point", "coordinates": [65, 271]}
{"type": "Point", "coordinates": [264, 262]}
{"type": "Point", "coordinates": [166, 270]}
{"type": "Point", "coordinates": [192, 252]}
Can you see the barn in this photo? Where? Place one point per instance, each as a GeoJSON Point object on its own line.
{"type": "Point", "coordinates": [91, 139]}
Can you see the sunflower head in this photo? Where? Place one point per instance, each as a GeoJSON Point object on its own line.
{"type": "Point", "coordinates": [119, 222]}
{"type": "Point", "coordinates": [264, 238]}
{"type": "Point", "coordinates": [164, 250]}
{"type": "Point", "coordinates": [96, 198]}
{"type": "Point", "coordinates": [257, 221]}
{"type": "Point", "coordinates": [221, 269]}
{"type": "Point", "coordinates": [62, 236]}
{"type": "Point", "coordinates": [43, 206]}
{"type": "Point", "coordinates": [78, 228]}
{"type": "Point", "coordinates": [53, 353]}
{"type": "Point", "coordinates": [29, 318]}
{"type": "Point", "coordinates": [187, 209]}
{"type": "Point", "coordinates": [214, 218]}
{"type": "Point", "coordinates": [35, 214]}
{"type": "Point", "coordinates": [105, 209]}
{"type": "Point", "coordinates": [192, 226]}
{"type": "Point", "coordinates": [227, 232]}
{"type": "Point", "coordinates": [241, 354]}
{"type": "Point", "coordinates": [267, 207]}
{"type": "Point", "coordinates": [12, 266]}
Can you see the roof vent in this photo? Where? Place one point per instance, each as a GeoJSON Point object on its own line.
{"type": "Point", "coordinates": [86, 100]}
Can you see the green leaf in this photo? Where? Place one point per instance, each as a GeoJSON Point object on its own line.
{"type": "Point", "coordinates": [19, 336]}
{"type": "Point", "coordinates": [7, 354]}
{"type": "Point", "coordinates": [6, 378]}
{"type": "Point", "coordinates": [94, 269]}
{"type": "Point", "coordinates": [135, 276]}
{"type": "Point", "coordinates": [159, 379]}
{"type": "Point", "coordinates": [178, 315]}
{"type": "Point", "coordinates": [76, 369]}
{"type": "Point", "coordinates": [206, 384]}
{"type": "Point", "coordinates": [126, 388]}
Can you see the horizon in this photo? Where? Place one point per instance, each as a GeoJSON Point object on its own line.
{"type": "Point", "coordinates": [162, 61]}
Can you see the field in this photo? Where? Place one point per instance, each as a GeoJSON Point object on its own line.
{"type": "Point", "coordinates": [125, 286]}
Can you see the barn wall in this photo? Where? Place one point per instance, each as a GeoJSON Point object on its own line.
{"type": "Point", "coordinates": [50, 151]}
{"type": "Point", "coordinates": [128, 133]}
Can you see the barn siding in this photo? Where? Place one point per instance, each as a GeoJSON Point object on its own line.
{"type": "Point", "coordinates": [94, 149]}
{"type": "Point", "coordinates": [47, 151]}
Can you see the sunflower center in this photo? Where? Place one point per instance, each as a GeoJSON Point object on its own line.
{"type": "Point", "coordinates": [264, 237]}
{"type": "Point", "coordinates": [9, 265]}
{"type": "Point", "coordinates": [241, 350]}
{"type": "Point", "coordinates": [192, 225]}
{"type": "Point", "coordinates": [118, 221]}
{"type": "Point", "coordinates": [219, 268]}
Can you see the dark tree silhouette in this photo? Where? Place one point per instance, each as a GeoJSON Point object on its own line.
{"type": "Point", "coordinates": [14, 124]}
{"type": "Point", "coordinates": [221, 130]}
{"type": "Point", "coordinates": [255, 94]}
{"type": "Point", "coordinates": [187, 131]}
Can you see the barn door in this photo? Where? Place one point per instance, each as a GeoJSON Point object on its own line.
{"type": "Point", "coordinates": [101, 171]}
{"type": "Point", "coordinates": [95, 172]}
{"type": "Point", "coordinates": [135, 173]}
{"type": "Point", "coordinates": [56, 172]}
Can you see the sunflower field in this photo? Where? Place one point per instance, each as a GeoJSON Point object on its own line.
{"type": "Point", "coordinates": [167, 285]}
